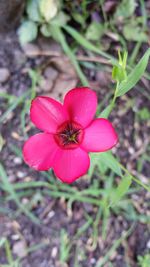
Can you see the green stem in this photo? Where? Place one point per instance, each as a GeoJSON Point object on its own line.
{"type": "Point", "coordinates": [8, 252]}
{"type": "Point", "coordinates": [110, 107]}
{"type": "Point", "coordinates": [115, 95]}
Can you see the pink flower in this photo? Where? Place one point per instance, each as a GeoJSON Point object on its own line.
{"type": "Point", "coordinates": [70, 132]}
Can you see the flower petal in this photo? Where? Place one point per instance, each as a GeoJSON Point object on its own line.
{"type": "Point", "coordinates": [99, 136]}
{"type": "Point", "coordinates": [71, 164]}
{"type": "Point", "coordinates": [81, 104]}
{"type": "Point", "coordinates": [47, 113]}
{"type": "Point", "coordinates": [39, 151]}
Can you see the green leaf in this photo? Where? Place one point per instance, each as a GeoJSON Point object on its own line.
{"type": "Point", "coordinates": [94, 31]}
{"type": "Point", "coordinates": [61, 19]}
{"type": "Point", "coordinates": [94, 161]}
{"type": "Point", "coordinates": [105, 113]}
{"type": "Point", "coordinates": [85, 43]}
{"type": "Point", "coordinates": [79, 18]}
{"type": "Point", "coordinates": [64, 246]}
{"type": "Point", "coordinates": [134, 32]}
{"type": "Point", "coordinates": [118, 74]}
{"type": "Point", "coordinates": [46, 30]}
{"type": "Point", "coordinates": [119, 70]}
{"type": "Point", "coordinates": [144, 261]}
{"type": "Point", "coordinates": [121, 190]}
{"type": "Point", "coordinates": [144, 114]}
{"type": "Point", "coordinates": [110, 161]}
{"type": "Point", "coordinates": [27, 32]}
{"type": "Point", "coordinates": [33, 10]}
{"type": "Point", "coordinates": [48, 9]}
{"type": "Point", "coordinates": [58, 34]}
{"type": "Point", "coordinates": [135, 75]}
{"type": "Point", "coordinates": [125, 9]}
{"type": "Point", "coordinates": [2, 241]}
{"type": "Point", "coordinates": [103, 168]}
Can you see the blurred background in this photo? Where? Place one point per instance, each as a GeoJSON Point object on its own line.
{"type": "Point", "coordinates": [48, 47]}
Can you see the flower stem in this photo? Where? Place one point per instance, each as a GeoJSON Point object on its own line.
{"type": "Point", "coordinates": [115, 95]}
{"type": "Point", "coordinates": [110, 107]}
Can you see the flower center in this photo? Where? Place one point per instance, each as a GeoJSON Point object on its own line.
{"type": "Point", "coordinates": [69, 135]}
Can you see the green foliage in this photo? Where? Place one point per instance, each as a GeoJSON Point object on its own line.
{"type": "Point", "coordinates": [126, 8]}
{"type": "Point", "coordinates": [105, 167]}
{"type": "Point", "coordinates": [8, 188]}
{"type": "Point", "coordinates": [33, 10]}
{"type": "Point", "coordinates": [81, 40]}
{"type": "Point", "coordinates": [107, 159]}
{"type": "Point", "coordinates": [119, 70]}
{"type": "Point", "coordinates": [104, 161]}
{"type": "Point", "coordinates": [135, 75]}
{"type": "Point", "coordinates": [14, 102]}
{"type": "Point", "coordinates": [144, 114]}
{"type": "Point", "coordinates": [46, 30]}
{"type": "Point", "coordinates": [101, 262]}
{"type": "Point", "coordinates": [121, 190]}
{"type": "Point", "coordinates": [11, 262]}
{"type": "Point", "coordinates": [27, 31]}
{"type": "Point", "coordinates": [79, 18]}
{"type": "Point", "coordinates": [41, 15]}
{"type": "Point", "coordinates": [144, 261]}
{"type": "Point", "coordinates": [64, 246]}
{"type": "Point", "coordinates": [48, 9]}
{"type": "Point", "coordinates": [94, 31]}
{"type": "Point", "coordinates": [61, 38]}
{"type": "Point", "coordinates": [133, 30]}
{"type": "Point", "coordinates": [105, 113]}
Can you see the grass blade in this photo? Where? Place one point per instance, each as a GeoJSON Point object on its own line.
{"type": "Point", "coordinates": [70, 54]}
{"type": "Point", "coordinates": [9, 189]}
{"type": "Point", "coordinates": [85, 43]}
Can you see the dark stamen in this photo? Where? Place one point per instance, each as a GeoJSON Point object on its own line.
{"type": "Point", "coordinates": [69, 135]}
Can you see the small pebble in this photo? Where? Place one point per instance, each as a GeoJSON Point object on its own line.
{"type": "Point", "coordinates": [51, 214]}
{"type": "Point", "coordinates": [20, 249]}
{"type": "Point", "coordinates": [4, 75]}
{"type": "Point", "coordinates": [15, 237]}
{"type": "Point", "coordinates": [54, 252]}
{"type": "Point", "coordinates": [93, 261]}
{"type": "Point", "coordinates": [20, 174]}
{"type": "Point", "coordinates": [148, 244]}
{"type": "Point", "coordinates": [50, 73]}
{"type": "Point", "coordinates": [17, 160]}
{"type": "Point", "coordinates": [131, 150]}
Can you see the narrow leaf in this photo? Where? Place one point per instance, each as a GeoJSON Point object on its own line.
{"type": "Point", "coordinates": [135, 75]}
{"type": "Point", "coordinates": [110, 161]}
{"type": "Point", "coordinates": [9, 189]}
{"type": "Point", "coordinates": [85, 43]}
{"type": "Point", "coordinates": [105, 113]}
{"type": "Point", "coordinates": [121, 190]}
{"type": "Point", "coordinates": [61, 38]}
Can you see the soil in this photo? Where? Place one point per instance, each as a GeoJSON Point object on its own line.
{"type": "Point", "coordinates": [133, 135]}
